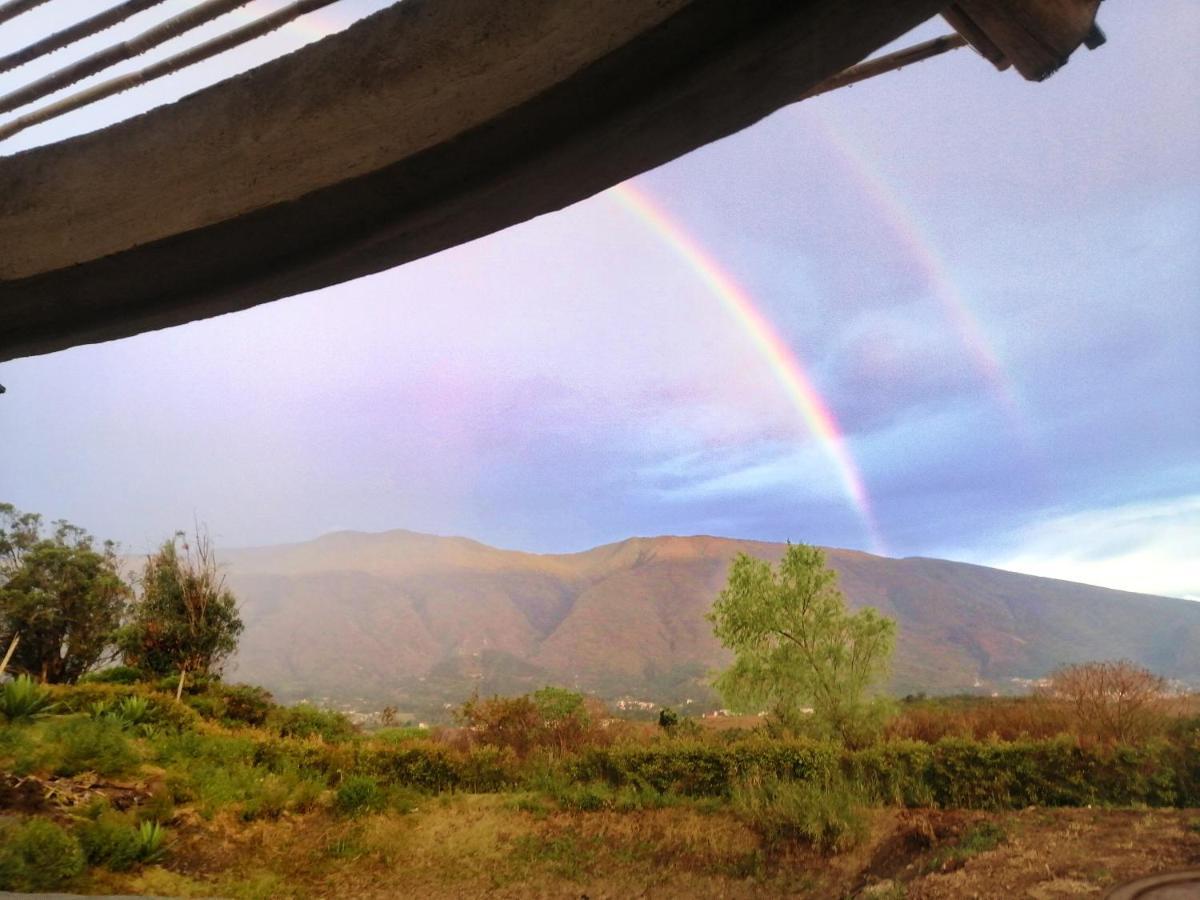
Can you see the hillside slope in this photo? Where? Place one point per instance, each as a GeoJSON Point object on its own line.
{"type": "Point", "coordinates": [419, 620]}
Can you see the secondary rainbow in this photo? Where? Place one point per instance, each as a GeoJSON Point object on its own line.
{"type": "Point", "coordinates": [920, 249]}
{"type": "Point", "coordinates": [783, 363]}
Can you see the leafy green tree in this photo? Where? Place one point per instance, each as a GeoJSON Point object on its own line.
{"type": "Point", "coordinates": [796, 646]}
{"type": "Point", "coordinates": [60, 594]}
{"type": "Point", "coordinates": [184, 620]}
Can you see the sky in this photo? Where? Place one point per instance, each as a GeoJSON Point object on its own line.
{"type": "Point", "coordinates": [943, 313]}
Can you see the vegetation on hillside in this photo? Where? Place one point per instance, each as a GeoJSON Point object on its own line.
{"type": "Point", "coordinates": [133, 780]}
{"type": "Point", "coordinates": [133, 787]}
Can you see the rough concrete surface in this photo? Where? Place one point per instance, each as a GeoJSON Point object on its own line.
{"type": "Point", "coordinates": [429, 124]}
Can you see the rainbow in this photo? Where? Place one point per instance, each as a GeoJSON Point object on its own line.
{"type": "Point", "coordinates": [920, 249]}
{"type": "Point", "coordinates": [784, 364]}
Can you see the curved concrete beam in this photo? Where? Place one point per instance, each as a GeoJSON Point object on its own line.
{"type": "Point", "coordinates": [429, 124]}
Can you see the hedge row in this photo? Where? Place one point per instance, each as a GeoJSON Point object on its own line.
{"type": "Point", "coordinates": [422, 765]}
{"type": "Point", "coordinates": [953, 773]}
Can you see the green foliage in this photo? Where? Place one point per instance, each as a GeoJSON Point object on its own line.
{"type": "Point", "coordinates": [114, 675]}
{"type": "Point", "coordinates": [959, 773]}
{"type": "Point", "coordinates": [61, 594]}
{"type": "Point", "coordinates": [38, 856]}
{"type": "Point", "coordinates": [110, 840]}
{"type": "Point", "coordinates": [152, 842]}
{"type": "Point", "coordinates": [100, 699]}
{"type": "Point", "coordinates": [668, 720]}
{"type": "Point", "coordinates": [305, 720]}
{"type": "Point", "coordinates": [245, 704]}
{"type": "Point", "coordinates": [91, 745]}
{"type": "Point", "coordinates": [22, 700]}
{"type": "Point", "coordinates": [829, 813]}
{"type": "Point", "coordinates": [797, 647]}
{"type": "Point", "coordinates": [359, 794]}
{"type": "Point", "coordinates": [185, 619]}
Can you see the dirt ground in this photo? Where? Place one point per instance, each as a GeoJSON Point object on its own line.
{"type": "Point", "coordinates": [474, 846]}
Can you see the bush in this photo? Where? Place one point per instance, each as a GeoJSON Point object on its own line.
{"type": "Point", "coordinates": [23, 699]}
{"type": "Point", "coordinates": [38, 856]}
{"type": "Point", "coordinates": [549, 719]}
{"type": "Point", "coordinates": [110, 840]}
{"type": "Point", "coordinates": [114, 675]}
{"type": "Point", "coordinates": [304, 720]}
{"type": "Point", "coordinates": [359, 794]}
{"type": "Point", "coordinates": [235, 704]}
{"type": "Point", "coordinates": [161, 708]}
{"type": "Point", "coordinates": [91, 745]}
{"type": "Point", "coordinates": [828, 813]}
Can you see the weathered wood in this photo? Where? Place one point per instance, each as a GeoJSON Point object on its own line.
{"type": "Point", "coordinates": [14, 8]}
{"type": "Point", "coordinates": [1038, 36]}
{"type": "Point", "coordinates": [169, 66]}
{"type": "Point", "coordinates": [889, 63]}
{"type": "Point", "coordinates": [431, 123]}
{"type": "Point", "coordinates": [12, 648]}
{"type": "Point", "coordinates": [77, 32]}
{"type": "Point", "coordinates": [110, 56]}
{"type": "Point", "coordinates": [976, 37]}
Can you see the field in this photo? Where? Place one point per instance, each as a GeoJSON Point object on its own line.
{"type": "Point", "coordinates": [118, 789]}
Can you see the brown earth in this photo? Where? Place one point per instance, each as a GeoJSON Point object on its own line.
{"type": "Point", "coordinates": [468, 846]}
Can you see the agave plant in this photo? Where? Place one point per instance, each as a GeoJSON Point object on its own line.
{"type": "Point", "coordinates": [132, 711]}
{"type": "Point", "coordinates": [23, 699]}
{"type": "Point", "coordinates": [152, 839]}
{"type": "Point", "coordinates": [101, 709]}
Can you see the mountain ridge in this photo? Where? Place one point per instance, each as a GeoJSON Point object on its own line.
{"type": "Point", "coordinates": [420, 620]}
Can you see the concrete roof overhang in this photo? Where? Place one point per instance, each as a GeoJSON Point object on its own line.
{"type": "Point", "coordinates": [429, 124]}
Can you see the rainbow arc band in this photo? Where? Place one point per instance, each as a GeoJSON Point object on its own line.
{"type": "Point", "coordinates": [784, 364]}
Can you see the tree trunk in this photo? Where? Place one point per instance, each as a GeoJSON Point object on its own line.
{"type": "Point", "coordinates": [179, 690]}
{"type": "Point", "coordinates": [12, 648]}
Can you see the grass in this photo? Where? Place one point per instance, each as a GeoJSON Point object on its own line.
{"type": "Point", "coordinates": [298, 803]}
{"type": "Point", "coordinates": [830, 814]}
{"type": "Point", "coordinates": [979, 839]}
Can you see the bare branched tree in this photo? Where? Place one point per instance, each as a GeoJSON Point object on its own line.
{"type": "Point", "coordinates": [1118, 701]}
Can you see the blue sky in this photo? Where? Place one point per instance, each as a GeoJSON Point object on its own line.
{"type": "Point", "coordinates": [568, 382]}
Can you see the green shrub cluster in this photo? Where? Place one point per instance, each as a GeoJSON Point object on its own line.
{"type": "Point", "coordinates": [951, 773]}
{"type": "Point", "coordinates": [117, 842]}
{"type": "Point", "coordinates": [305, 720]}
{"type": "Point", "coordinates": [696, 769]}
{"type": "Point", "coordinates": [160, 707]}
{"type": "Point", "coordinates": [38, 856]}
{"type": "Point", "coordinates": [828, 812]}
{"type": "Point", "coordinates": [972, 774]}
{"type": "Point", "coordinates": [114, 675]}
{"type": "Point", "coordinates": [91, 745]}
{"type": "Point", "coordinates": [232, 704]}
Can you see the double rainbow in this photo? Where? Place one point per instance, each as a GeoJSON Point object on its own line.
{"type": "Point", "coordinates": [783, 362]}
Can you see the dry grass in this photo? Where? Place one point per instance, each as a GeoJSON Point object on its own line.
{"type": "Point", "coordinates": [480, 845]}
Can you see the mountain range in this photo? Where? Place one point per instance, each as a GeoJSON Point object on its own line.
{"type": "Point", "coordinates": [418, 621]}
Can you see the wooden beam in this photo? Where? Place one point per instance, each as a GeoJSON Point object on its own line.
{"type": "Point", "coordinates": [1037, 36]}
{"type": "Point", "coordinates": [428, 124]}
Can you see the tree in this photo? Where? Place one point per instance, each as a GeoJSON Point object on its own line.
{"type": "Point", "coordinates": [796, 646]}
{"type": "Point", "coordinates": [185, 620]}
{"type": "Point", "coordinates": [60, 596]}
{"type": "Point", "coordinates": [1117, 701]}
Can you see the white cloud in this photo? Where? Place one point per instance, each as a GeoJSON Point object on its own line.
{"type": "Point", "coordinates": [1153, 547]}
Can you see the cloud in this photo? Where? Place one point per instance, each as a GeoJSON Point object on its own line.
{"type": "Point", "coordinates": [1146, 547]}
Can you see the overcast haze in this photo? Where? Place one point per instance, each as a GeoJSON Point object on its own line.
{"type": "Point", "coordinates": [993, 285]}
